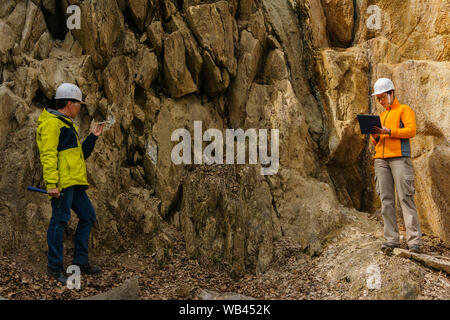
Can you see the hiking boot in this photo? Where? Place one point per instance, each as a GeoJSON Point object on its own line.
{"type": "Point", "coordinates": [58, 275]}
{"type": "Point", "coordinates": [387, 248]}
{"type": "Point", "coordinates": [88, 269]}
{"type": "Point", "coordinates": [414, 248]}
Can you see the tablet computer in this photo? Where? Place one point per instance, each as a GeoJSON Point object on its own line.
{"type": "Point", "coordinates": [367, 121]}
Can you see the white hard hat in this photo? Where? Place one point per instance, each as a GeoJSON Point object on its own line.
{"type": "Point", "coordinates": [383, 85]}
{"type": "Point", "coordinates": [69, 91]}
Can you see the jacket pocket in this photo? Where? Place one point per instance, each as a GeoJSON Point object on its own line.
{"type": "Point", "coordinates": [408, 185]}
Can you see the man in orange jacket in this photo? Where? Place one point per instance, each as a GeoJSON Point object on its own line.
{"type": "Point", "coordinates": [393, 165]}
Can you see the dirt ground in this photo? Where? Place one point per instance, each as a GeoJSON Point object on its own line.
{"type": "Point", "coordinates": [293, 275]}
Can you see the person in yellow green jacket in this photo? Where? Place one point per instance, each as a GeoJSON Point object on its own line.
{"type": "Point", "coordinates": [63, 158]}
{"type": "Point", "coordinates": [393, 166]}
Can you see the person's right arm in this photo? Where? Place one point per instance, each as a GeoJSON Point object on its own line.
{"type": "Point", "coordinates": [49, 158]}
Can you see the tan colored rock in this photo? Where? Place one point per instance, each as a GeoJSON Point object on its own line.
{"type": "Point", "coordinates": [219, 226]}
{"type": "Point", "coordinates": [216, 30]}
{"type": "Point", "coordinates": [147, 68]}
{"type": "Point", "coordinates": [339, 14]}
{"type": "Point", "coordinates": [254, 24]}
{"type": "Point", "coordinates": [60, 69]}
{"type": "Point", "coordinates": [419, 29]}
{"type": "Point", "coordinates": [345, 86]}
{"type": "Point", "coordinates": [178, 79]}
{"type": "Point", "coordinates": [129, 290]}
{"type": "Point", "coordinates": [155, 33]}
{"type": "Point", "coordinates": [275, 67]}
{"type": "Point", "coordinates": [215, 79]}
{"type": "Point", "coordinates": [43, 46]}
{"type": "Point", "coordinates": [26, 83]}
{"type": "Point", "coordinates": [249, 61]}
{"type": "Point", "coordinates": [101, 26]}
{"type": "Point", "coordinates": [118, 79]}
{"type": "Point", "coordinates": [318, 24]}
{"type": "Point", "coordinates": [34, 27]}
{"type": "Point", "coordinates": [285, 23]}
{"type": "Point", "coordinates": [9, 102]}
{"type": "Point", "coordinates": [6, 7]}
{"type": "Point", "coordinates": [194, 59]}
{"type": "Point", "coordinates": [139, 11]}
{"type": "Point", "coordinates": [16, 19]}
{"type": "Point", "coordinates": [276, 106]}
{"type": "Point", "coordinates": [6, 42]}
{"type": "Point", "coordinates": [308, 209]}
{"type": "Point", "coordinates": [164, 175]}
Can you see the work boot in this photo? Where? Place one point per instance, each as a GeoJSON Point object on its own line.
{"type": "Point", "coordinates": [414, 248]}
{"type": "Point", "coordinates": [59, 275]}
{"type": "Point", "coordinates": [387, 248]}
{"type": "Point", "coordinates": [88, 269]}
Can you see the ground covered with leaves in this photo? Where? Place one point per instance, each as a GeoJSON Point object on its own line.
{"type": "Point", "coordinates": [293, 275]}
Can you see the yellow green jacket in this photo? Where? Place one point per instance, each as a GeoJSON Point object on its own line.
{"type": "Point", "coordinates": [401, 119]}
{"type": "Point", "coordinates": [62, 155]}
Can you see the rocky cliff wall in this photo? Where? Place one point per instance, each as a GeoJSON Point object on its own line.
{"type": "Point", "coordinates": [303, 67]}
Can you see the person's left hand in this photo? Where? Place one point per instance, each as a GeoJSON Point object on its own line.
{"type": "Point", "coordinates": [99, 129]}
{"type": "Point", "coordinates": [383, 130]}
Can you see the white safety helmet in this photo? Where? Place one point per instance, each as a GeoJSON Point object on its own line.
{"type": "Point", "coordinates": [69, 91]}
{"type": "Point", "coordinates": [383, 85]}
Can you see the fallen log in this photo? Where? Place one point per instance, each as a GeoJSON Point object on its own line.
{"type": "Point", "coordinates": [429, 261]}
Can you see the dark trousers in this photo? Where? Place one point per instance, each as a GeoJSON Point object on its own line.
{"type": "Point", "coordinates": [75, 198]}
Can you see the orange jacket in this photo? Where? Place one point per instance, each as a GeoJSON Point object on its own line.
{"type": "Point", "coordinates": [401, 119]}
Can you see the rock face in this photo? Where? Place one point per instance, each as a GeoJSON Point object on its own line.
{"type": "Point", "coordinates": [305, 68]}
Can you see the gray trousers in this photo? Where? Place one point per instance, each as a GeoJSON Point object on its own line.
{"type": "Point", "coordinates": [399, 171]}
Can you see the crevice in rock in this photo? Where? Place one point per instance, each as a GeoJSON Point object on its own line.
{"type": "Point", "coordinates": [364, 162]}
{"type": "Point", "coordinates": [40, 100]}
{"type": "Point", "coordinates": [180, 5]}
{"type": "Point", "coordinates": [175, 206]}
{"type": "Point", "coordinates": [274, 205]}
{"type": "Point", "coordinates": [355, 23]}
{"type": "Point", "coordinates": [139, 96]}
{"type": "Point", "coordinates": [129, 21]}
{"type": "Point", "coordinates": [56, 23]}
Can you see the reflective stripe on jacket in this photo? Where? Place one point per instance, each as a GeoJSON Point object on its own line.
{"type": "Point", "coordinates": [62, 155]}
{"type": "Point", "coordinates": [401, 119]}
